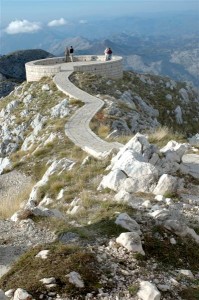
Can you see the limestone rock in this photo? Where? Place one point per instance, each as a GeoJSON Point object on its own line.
{"type": "Point", "coordinates": [173, 147]}
{"type": "Point", "coordinates": [128, 223]}
{"type": "Point", "coordinates": [194, 140]}
{"type": "Point", "coordinates": [113, 180]}
{"type": "Point", "coordinates": [49, 280]}
{"type": "Point", "coordinates": [167, 184]}
{"type": "Point", "coordinates": [75, 278]}
{"type": "Point", "coordinates": [186, 273]}
{"type": "Point", "coordinates": [178, 115]}
{"type": "Point", "coordinates": [45, 87]}
{"type": "Point", "coordinates": [45, 212]}
{"type": "Point", "coordinates": [184, 95]}
{"type": "Point", "coordinates": [57, 166]}
{"type": "Point", "coordinates": [27, 100]}
{"type": "Point", "coordinates": [61, 110]}
{"type": "Point", "coordinates": [43, 254]}
{"type": "Point", "coordinates": [148, 291]}
{"type": "Point", "coordinates": [9, 293]}
{"type": "Point", "coordinates": [21, 294]}
{"type": "Point", "coordinates": [131, 241]}
{"type": "Point", "coordinates": [123, 197]}
{"type": "Point", "coordinates": [5, 164]}
{"type": "Point", "coordinates": [190, 165]}
{"type": "Point", "coordinates": [131, 162]}
{"type": "Point", "coordinates": [2, 295]}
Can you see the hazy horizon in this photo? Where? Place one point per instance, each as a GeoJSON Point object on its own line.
{"type": "Point", "coordinates": [26, 23]}
{"type": "Point", "coordinates": [41, 12]}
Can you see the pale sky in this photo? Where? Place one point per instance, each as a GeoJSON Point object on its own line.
{"type": "Point", "coordinates": [47, 11]}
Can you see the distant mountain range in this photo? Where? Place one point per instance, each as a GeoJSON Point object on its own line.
{"type": "Point", "coordinates": [176, 58]}
{"type": "Point", "coordinates": [163, 44]}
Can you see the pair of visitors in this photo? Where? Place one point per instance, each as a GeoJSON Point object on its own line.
{"type": "Point", "coordinates": [69, 54]}
{"type": "Point", "coordinates": [108, 54]}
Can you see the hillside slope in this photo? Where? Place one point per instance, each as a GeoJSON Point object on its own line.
{"type": "Point", "coordinates": [121, 227]}
{"type": "Point", "coordinates": [12, 67]}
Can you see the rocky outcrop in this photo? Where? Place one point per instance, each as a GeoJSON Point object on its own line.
{"type": "Point", "coordinates": [12, 68]}
{"type": "Point", "coordinates": [141, 167]}
{"type": "Point", "coordinates": [152, 209]}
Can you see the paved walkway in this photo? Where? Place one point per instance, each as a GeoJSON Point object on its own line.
{"type": "Point", "coordinates": [77, 128]}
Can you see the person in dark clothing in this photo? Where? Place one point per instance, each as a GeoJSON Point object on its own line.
{"type": "Point", "coordinates": [71, 51]}
{"type": "Point", "coordinates": [109, 52]}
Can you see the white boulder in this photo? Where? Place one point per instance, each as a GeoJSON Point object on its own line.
{"type": "Point", "coordinates": [5, 164]}
{"type": "Point", "coordinates": [148, 291]}
{"type": "Point", "coordinates": [174, 150]}
{"type": "Point", "coordinates": [128, 223]}
{"type": "Point", "coordinates": [49, 280]}
{"type": "Point", "coordinates": [75, 278]}
{"type": "Point", "coordinates": [61, 110]}
{"type": "Point", "coordinates": [43, 254]}
{"type": "Point", "coordinates": [113, 180]}
{"type": "Point", "coordinates": [178, 115]}
{"type": "Point", "coordinates": [186, 273]}
{"type": "Point", "coordinates": [131, 241]}
{"type": "Point", "coordinates": [167, 184]}
{"type": "Point", "coordinates": [194, 140]}
{"type": "Point", "coordinates": [190, 165]}
{"type": "Point", "coordinates": [21, 294]}
{"type": "Point", "coordinates": [45, 87]}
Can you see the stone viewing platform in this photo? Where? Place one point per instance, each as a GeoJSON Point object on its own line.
{"type": "Point", "coordinates": [95, 64]}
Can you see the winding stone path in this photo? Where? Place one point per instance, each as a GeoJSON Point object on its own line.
{"type": "Point", "coordinates": [77, 128]}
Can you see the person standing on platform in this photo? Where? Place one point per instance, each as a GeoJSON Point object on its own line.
{"type": "Point", "coordinates": [71, 51]}
{"type": "Point", "coordinates": [67, 53]}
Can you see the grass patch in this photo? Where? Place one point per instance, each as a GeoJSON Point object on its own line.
{"type": "Point", "coordinates": [183, 255]}
{"type": "Point", "coordinates": [103, 130]}
{"type": "Point", "coordinates": [76, 102]}
{"type": "Point", "coordinates": [105, 228]}
{"type": "Point", "coordinates": [190, 294]}
{"type": "Point", "coordinates": [62, 259]}
{"type": "Point", "coordinates": [162, 135]}
{"type": "Point", "coordinates": [102, 216]}
{"type": "Point", "coordinates": [133, 289]}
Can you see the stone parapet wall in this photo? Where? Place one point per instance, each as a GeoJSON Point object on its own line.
{"type": "Point", "coordinates": [37, 69]}
{"type": "Point", "coordinates": [36, 72]}
{"type": "Point", "coordinates": [110, 69]}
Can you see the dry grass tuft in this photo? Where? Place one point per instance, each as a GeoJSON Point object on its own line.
{"type": "Point", "coordinates": [103, 130]}
{"type": "Point", "coordinates": [159, 134]}
{"type": "Point", "coordinates": [162, 135]}
{"type": "Point", "coordinates": [12, 202]}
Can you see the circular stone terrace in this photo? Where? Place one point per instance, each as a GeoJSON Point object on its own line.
{"type": "Point", "coordinates": [95, 64]}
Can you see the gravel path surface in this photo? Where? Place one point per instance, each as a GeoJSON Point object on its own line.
{"type": "Point", "coordinates": [16, 238]}
{"type": "Point", "coordinates": [12, 183]}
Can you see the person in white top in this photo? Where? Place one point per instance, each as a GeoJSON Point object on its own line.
{"type": "Point", "coordinates": [108, 54]}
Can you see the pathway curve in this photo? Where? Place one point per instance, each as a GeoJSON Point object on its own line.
{"type": "Point", "coordinates": [77, 128]}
